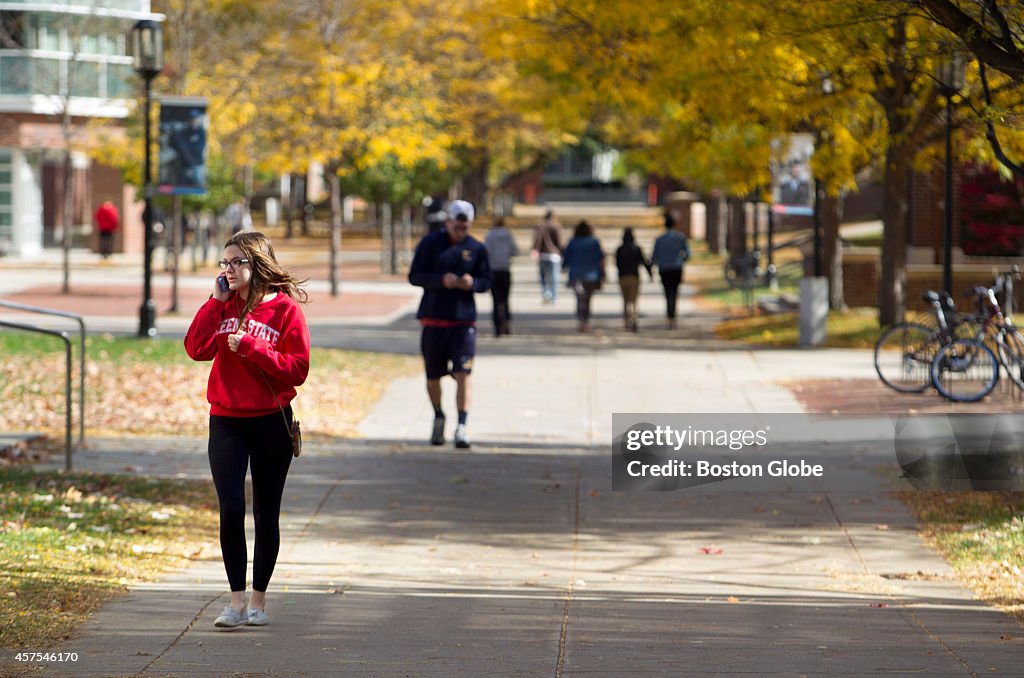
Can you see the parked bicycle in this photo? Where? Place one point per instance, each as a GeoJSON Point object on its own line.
{"type": "Point", "coordinates": [745, 272]}
{"type": "Point", "coordinates": [905, 351]}
{"type": "Point", "coordinates": [955, 354]}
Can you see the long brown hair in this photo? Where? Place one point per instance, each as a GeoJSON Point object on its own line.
{"type": "Point", "coordinates": [267, 274]}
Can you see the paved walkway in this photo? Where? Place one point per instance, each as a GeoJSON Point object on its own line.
{"type": "Point", "coordinates": [517, 559]}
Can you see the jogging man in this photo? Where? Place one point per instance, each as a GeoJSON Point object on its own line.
{"type": "Point", "coordinates": [451, 266]}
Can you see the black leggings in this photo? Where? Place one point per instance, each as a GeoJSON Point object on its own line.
{"type": "Point", "coordinates": [235, 443]}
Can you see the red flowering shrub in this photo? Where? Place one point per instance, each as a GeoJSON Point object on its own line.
{"type": "Point", "coordinates": [992, 215]}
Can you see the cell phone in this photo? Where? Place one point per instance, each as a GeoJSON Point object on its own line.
{"type": "Point", "coordinates": [222, 283]}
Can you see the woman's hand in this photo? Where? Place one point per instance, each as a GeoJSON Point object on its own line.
{"type": "Point", "coordinates": [218, 293]}
{"type": "Point", "coordinates": [235, 339]}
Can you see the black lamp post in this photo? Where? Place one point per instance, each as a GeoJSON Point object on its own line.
{"type": "Point", "coordinates": [148, 53]}
{"type": "Point", "coordinates": [827, 89]}
{"type": "Point", "coordinates": [950, 77]}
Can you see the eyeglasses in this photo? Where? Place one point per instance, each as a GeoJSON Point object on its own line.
{"type": "Point", "coordinates": [233, 264]}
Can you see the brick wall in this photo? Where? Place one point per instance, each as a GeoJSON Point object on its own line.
{"type": "Point", "coordinates": [926, 218]}
{"type": "Point", "coordinates": [861, 270]}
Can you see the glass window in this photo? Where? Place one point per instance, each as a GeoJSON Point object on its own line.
{"type": "Point", "coordinates": [14, 74]}
{"type": "Point", "coordinates": [44, 32]}
{"type": "Point", "coordinates": [89, 44]}
{"type": "Point", "coordinates": [120, 81]}
{"type": "Point", "coordinates": [46, 76]}
{"type": "Point", "coordinates": [107, 43]}
{"type": "Point", "coordinates": [85, 79]}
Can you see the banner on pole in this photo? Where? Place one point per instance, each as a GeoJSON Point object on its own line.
{"type": "Point", "coordinates": [183, 125]}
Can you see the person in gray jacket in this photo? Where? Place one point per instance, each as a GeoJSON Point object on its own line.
{"type": "Point", "coordinates": [501, 247]}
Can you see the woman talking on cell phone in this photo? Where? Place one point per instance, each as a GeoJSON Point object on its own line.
{"type": "Point", "coordinates": [253, 330]}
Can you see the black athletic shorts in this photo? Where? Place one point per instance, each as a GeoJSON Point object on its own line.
{"type": "Point", "coordinates": [447, 350]}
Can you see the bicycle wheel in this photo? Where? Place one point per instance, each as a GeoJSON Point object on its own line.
{"type": "Point", "coordinates": [1010, 344]}
{"type": "Point", "coordinates": [740, 272]}
{"type": "Point", "coordinates": [904, 354]}
{"type": "Point", "coordinates": [965, 370]}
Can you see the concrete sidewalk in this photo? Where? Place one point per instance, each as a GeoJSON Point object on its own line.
{"type": "Point", "coordinates": [516, 558]}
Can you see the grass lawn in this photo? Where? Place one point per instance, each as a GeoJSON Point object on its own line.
{"type": "Point", "coordinates": [150, 387]}
{"type": "Point", "coordinates": [856, 328]}
{"type": "Point", "coordinates": [981, 534]}
{"type": "Point", "coordinates": [68, 542]}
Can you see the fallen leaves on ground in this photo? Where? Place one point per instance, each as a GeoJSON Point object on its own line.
{"type": "Point", "coordinates": [168, 398]}
{"type": "Point", "coordinates": [981, 534]}
{"type": "Point", "coordinates": [70, 541]}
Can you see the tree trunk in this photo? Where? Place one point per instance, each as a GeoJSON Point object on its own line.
{"type": "Point", "coordinates": [335, 232]}
{"type": "Point", "coordinates": [736, 237]}
{"type": "Point", "coordinates": [892, 303]}
{"type": "Point", "coordinates": [715, 216]}
{"type": "Point", "coordinates": [69, 213]}
{"type": "Point", "coordinates": [307, 209]}
{"type": "Point", "coordinates": [832, 250]}
{"type": "Point", "coordinates": [387, 229]}
{"type": "Point", "coordinates": [288, 204]}
{"type": "Point", "coordinates": [475, 184]}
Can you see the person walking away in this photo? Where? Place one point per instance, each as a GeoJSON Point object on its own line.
{"type": "Point", "coordinates": [547, 249]}
{"type": "Point", "coordinates": [107, 220]}
{"type": "Point", "coordinates": [254, 331]}
{"type": "Point", "coordinates": [671, 250]}
{"type": "Point", "coordinates": [501, 247]}
{"type": "Point", "coordinates": [629, 257]}
{"type": "Point", "coordinates": [451, 266]}
{"type": "Point", "coordinates": [584, 259]}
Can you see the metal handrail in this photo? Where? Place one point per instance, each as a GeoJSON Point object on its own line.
{"type": "Point", "coordinates": [67, 381]}
{"type": "Point", "coordinates": [81, 355]}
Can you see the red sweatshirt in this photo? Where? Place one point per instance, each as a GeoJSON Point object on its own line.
{"type": "Point", "coordinates": [276, 341]}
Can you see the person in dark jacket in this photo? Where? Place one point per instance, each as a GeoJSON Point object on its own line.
{"type": "Point", "coordinates": [671, 251]}
{"type": "Point", "coordinates": [628, 260]}
{"type": "Point", "coordinates": [451, 266]}
{"type": "Point", "coordinates": [584, 259]}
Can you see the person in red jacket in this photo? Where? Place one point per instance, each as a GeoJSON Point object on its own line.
{"type": "Point", "coordinates": [107, 220]}
{"type": "Point", "coordinates": [253, 330]}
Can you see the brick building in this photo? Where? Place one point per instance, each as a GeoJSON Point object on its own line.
{"type": "Point", "coordinates": [72, 57]}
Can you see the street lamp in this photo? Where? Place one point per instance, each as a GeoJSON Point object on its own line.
{"type": "Point", "coordinates": [827, 89]}
{"type": "Point", "coordinates": [148, 53]}
{"type": "Point", "coordinates": [950, 77]}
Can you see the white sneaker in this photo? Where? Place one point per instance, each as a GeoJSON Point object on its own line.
{"type": "Point", "coordinates": [231, 618]}
{"type": "Point", "coordinates": [461, 437]}
{"type": "Point", "coordinates": [257, 617]}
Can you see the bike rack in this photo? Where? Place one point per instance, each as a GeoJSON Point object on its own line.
{"type": "Point", "coordinates": [67, 381]}
{"type": "Point", "coordinates": [81, 355]}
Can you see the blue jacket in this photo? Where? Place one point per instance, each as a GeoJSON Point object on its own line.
{"type": "Point", "coordinates": [671, 250]}
{"type": "Point", "coordinates": [584, 258]}
{"type": "Point", "coordinates": [436, 255]}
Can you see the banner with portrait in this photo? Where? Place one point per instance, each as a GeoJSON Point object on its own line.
{"type": "Point", "coordinates": [792, 183]}
{"type": "Point", "coordinates": [182, 158]}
